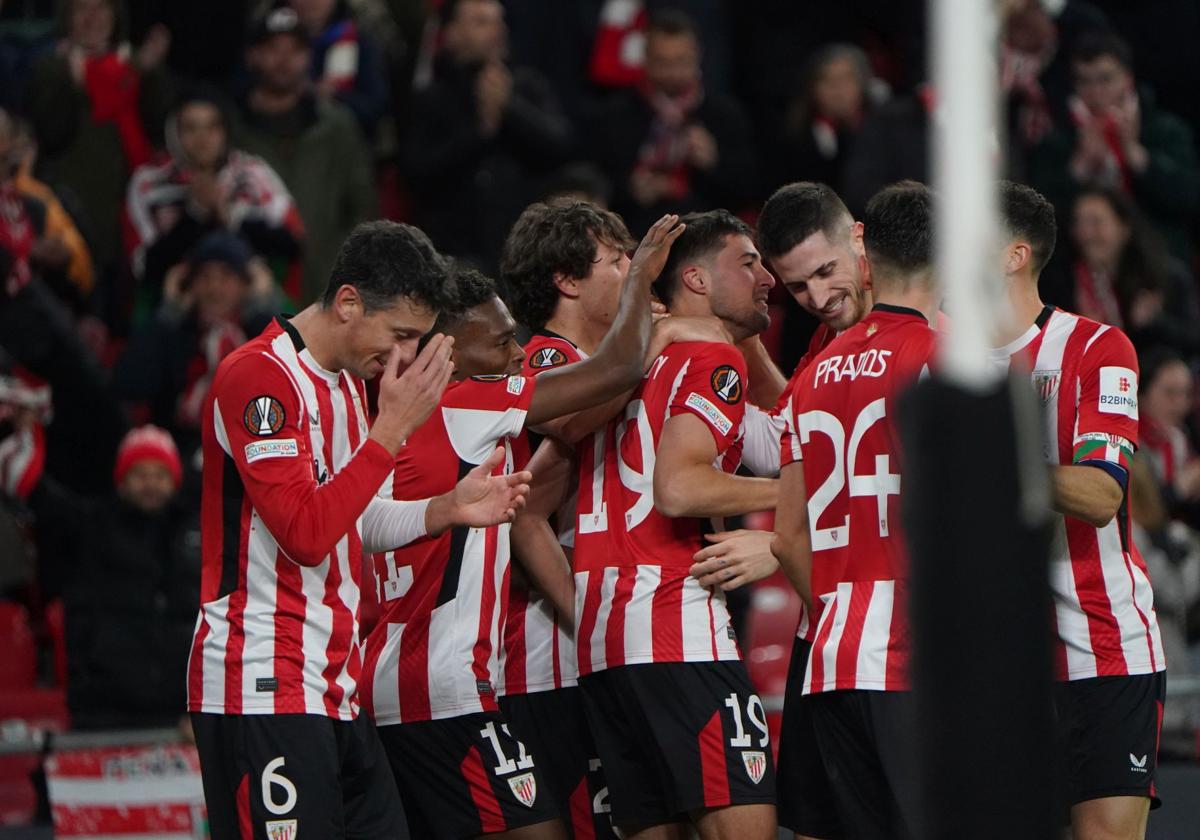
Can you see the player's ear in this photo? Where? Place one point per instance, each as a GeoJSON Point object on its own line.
{"type": "Point", "coordinates": [695, 279]}
{"type": "Point", "coordinates": [856, 239]}
{"type": "Point", "coordinates": [567, 286]}
{"type": "Point", "coordinates": [347, 303]}
{"type": "Point", "coordinates": [1017, 256]}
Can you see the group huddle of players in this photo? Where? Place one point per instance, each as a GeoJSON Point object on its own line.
{"type": "Point", "coordinates": [553, 656]}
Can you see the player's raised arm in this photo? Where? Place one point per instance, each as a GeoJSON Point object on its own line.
{"type": "Point", "coordinates": [618, 363]}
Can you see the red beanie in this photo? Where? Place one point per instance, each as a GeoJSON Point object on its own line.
{"type": "Point", "coordinates": [147, 443]}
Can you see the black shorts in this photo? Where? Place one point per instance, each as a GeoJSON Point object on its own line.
{"type": "Point", "coordinates": [676, 737]}
{"type": "Point", "coordinates": [806, 803]}
{"type": "Point", "coordinates": [465, 776]}
{"type": "Point", "coordinates": [554, 728]}
{"type": "Point", "coordinates": [1109, 729]}
{"type": "Point", "coordinates": [277, 776]}
{"type": "Point", "coordinates": [868, 746]}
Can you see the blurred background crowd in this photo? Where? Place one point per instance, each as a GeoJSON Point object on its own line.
{"type": "Point", "coordinates": [174, 173]}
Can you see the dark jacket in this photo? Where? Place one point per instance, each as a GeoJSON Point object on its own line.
{"type": "Point", "coordinates": [130, 593]}
{"type": "Point", "coordinates": [319, 153]}
{"type": "Point", "coordinates": [469, 188]}
{"type": "Point", "coordinates": [622, 126]}
{"type": "Point", "coordinates": [1167, 191]}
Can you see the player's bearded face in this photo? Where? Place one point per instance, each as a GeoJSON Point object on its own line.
{"type": "Point", "coordinates": [826, 280]}
{"type": "Point", "coordinates": [740, 285]}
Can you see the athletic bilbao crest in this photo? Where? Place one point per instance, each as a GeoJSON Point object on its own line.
{"type": "Point", "coordinates": [524, 787]}
{"type": "Point", "coordinates": [756, 764]}
{"type": "Point", "coordinates": [263, 416]}
{"type": "Point", "coordinates": [281, 830]}
{"type": "Point", "coordinates": [1045, 383]}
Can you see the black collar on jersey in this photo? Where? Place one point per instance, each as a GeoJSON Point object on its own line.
{"type": "Point", "coordinates": [1044, 316]}
{"type": "Point", "coordinates": [898, 310]}
{"type": "Point", "coordinates": [550, 334]}
{"type": "Point", "coordinates": [287, 327]}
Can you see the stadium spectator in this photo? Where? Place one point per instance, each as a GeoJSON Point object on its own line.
{"type": "Point", "coordinates": [1124, 276]}
{"type": "Point", "coordinates": [22, 218]}
{"type": "Point", "coordinates": [202, 186]}
{"type": "Point", "coordinates": [893, 145]}
{"type": "Point", "coordinates": [64, 252]}
{"type": "Point", "coordinates": [1166, 399]}
{"type": "Point", "coordinates": [132, 587]}
{"type": "Point", "coordinates": [825, 118]}
{"type": "Point", "coordinates": [1165, 488]}
{"type": "Point", "coordinates": [95, 104]}
{"type": "Point", "coordinates": [311, 142]}
{"type": "Point", "coordinates": [669, 145]}
{"type": "Point", "coordinates": [480, 134]}
{"type": "Point", "coordinates": [1035, 46]}
{"type": "Point", "coordinates": [1118, 138]}
{"type": "Point", "coordinates": [216, 299]}
{"type": "Point", "coordinates": [347, 61]}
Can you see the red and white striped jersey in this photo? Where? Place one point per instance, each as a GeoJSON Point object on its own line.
{"type": "Point", "coordinates": [789, 450]}
{"type": "Point", "coordinates": [288, 471]}
{"type": "Point", "coordinates": [433, 653]}
{"type": "Point", "coordinates": [539, 652]}
{"type": "Point", "coordinates": [1086, 374]}
{"type": "Point", "coordinates": [634, 598]}
{"type": "Point", "coordinates": [843, 430]}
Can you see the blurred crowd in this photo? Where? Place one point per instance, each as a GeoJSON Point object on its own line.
{"type": "Point", "coordinates": [174, 173]}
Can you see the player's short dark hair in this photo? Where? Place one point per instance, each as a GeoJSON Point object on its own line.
{"type": "Point", "coordinates": [386, 261]}
{"type": "Point", "coordinates": [704, 235]}
{"type": "Point", "coordinates": [898, 228]}
{"type": "Point", "coordinates": [670, 21]}
{"type": "Point", "coordinates": [471, 289]}
{"type": "Point", "coordinates": [795, 212]}
{"type": "Point", "coordinates": [1094, 45]}
{"type": "Point", "coordinates": [1027, 215]}
{"type": "Point", "coordinates": [549, 239]}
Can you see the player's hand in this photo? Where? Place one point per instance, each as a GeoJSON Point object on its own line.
{"type": "Point", "coordinates": [652, 252]}
{"type": "Point", "coordinates": [734, 559]}
{"type": "Point", "coordinates": [406, 400]}
{"type": "Point", "coordinates": [481, 499]}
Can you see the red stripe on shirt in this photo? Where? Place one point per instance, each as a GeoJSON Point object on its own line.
{"type": "Point", "coordinates": [587, 621]}
{"type": "Point", "coordinates": [291, 606]}
{"type": "Point", "coordinates": [666, 618]}
{"type": "Point", "coordinates": [614, 635]}
{"type": "Point", "coordinates": [846, 663]}
{"type": "Point", "coordinates": [235, 618]}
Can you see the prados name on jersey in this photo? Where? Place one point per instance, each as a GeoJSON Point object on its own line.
{"type": "Point", "coordinates": [871, 363]}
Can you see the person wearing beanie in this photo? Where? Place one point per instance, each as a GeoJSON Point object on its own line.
{"type": "Point", "coordinates": [128, 571]}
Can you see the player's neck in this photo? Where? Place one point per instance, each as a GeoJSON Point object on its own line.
{"type": "Point", "coordinates": [571, 324]}
{"type": "Point", "coordinates": [1025, 304]}
{"type": "Point", "coordinates": [316, 331]}
{"type": "Point", "coordinates": [920, 296]}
